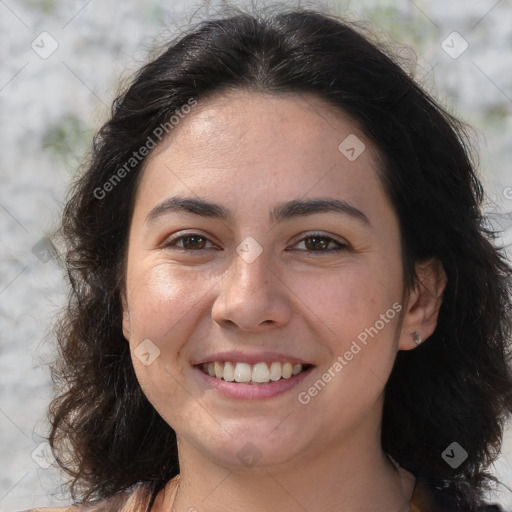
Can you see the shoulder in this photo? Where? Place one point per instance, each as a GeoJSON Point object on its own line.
{"type": "Point", "coordinates": [67, 508]}
{"type": "Point", "coordinates": [428, 497]}
{"type": "Point", "coordinates": [135, 499]}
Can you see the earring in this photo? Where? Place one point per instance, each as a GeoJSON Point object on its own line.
{"type": "Point", "coordinates": [416, 337]}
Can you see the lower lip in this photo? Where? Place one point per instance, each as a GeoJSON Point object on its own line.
{"type": "Point", "coordinates": [253, 391]}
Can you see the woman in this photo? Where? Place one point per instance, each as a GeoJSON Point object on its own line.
{"type": "Point", "coordinates": [284, 294]}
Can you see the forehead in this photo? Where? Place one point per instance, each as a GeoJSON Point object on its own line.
{"type": "Point", "coordinates": [239, 119]}
{"type": "Point", "coordinates": [250, 147]}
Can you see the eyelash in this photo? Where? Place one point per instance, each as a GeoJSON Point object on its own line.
{"type": "Point", "coordinates": [342, 247]}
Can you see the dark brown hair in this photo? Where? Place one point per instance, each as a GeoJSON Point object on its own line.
{"type": "Point", "coordinates": [456, 386]}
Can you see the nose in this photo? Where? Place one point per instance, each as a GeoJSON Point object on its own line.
{"type": "Point", "coordinates": [251, 296]}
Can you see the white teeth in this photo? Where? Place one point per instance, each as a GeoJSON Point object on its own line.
{"type": "Point", "coordinates": [275, 370]}
{"type": "Point", "coordinates": [286, 370]}
{"type": "Point", "coordinates": [219, 370]}
{"type": "Point", "coordinates": [229, 372]}
{"type": "Point", "coordinates": [242, 372]}
{"type": "Point", "coordinates": [259, 373]}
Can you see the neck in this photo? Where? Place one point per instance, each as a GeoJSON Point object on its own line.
{"type": "Point", "coordinates": [345, 476]}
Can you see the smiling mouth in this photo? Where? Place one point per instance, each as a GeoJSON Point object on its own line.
{"type": "Point", "coordinates": [259, 374]}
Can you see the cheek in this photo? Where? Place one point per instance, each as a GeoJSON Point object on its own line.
{"type": "Point", "coordinates": [357, 308]}
{"type": "Point", "coordinates": [161, 301]}
{"type": "Point", "coordinates": [160, 297]}
{"type": "Point", "coordinates": [349, 300]}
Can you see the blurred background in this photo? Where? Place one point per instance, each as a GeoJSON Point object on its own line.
{"type": "Point", "coordinates": [61, 66]}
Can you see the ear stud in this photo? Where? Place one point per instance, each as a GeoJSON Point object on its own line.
{"type": "Point", "coordinates": [416, 337]}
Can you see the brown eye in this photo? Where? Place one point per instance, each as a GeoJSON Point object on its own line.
{"type": "Point", "coordinates": [318, 243]}
{"type": "Point", "coordinates": [192, 242]}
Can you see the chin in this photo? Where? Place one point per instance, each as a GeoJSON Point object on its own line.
{"type": "Point", "coordinates": [251, 446]}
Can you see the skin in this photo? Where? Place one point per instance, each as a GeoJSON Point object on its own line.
{"type": "Point", "coordinates": [248, 152]}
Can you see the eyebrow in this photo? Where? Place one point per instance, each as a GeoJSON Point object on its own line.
{"type": "Point", "coordinates": [290, 209]}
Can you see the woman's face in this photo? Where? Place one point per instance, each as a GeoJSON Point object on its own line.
{"type": "Point", "coordinates": [255, 274]}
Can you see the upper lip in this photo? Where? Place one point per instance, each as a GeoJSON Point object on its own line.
{"type": "Point", "coordinates": [251, 358]}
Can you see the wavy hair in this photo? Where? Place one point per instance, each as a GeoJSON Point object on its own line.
{"type": "Point", "coordinates": [456, 386]}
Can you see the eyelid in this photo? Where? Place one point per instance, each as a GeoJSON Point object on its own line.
{"type": "Point", "coordinates": [342, 245]}
{"type": "Point", "coordinates": [171, 241]}
{"type": "Point", "coordinates": [320, 234]}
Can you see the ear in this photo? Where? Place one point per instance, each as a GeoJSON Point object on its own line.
{"type": "Point", "coordinates": [422, 308]}
{"type": "Point", "coordinates": [126, 316]}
